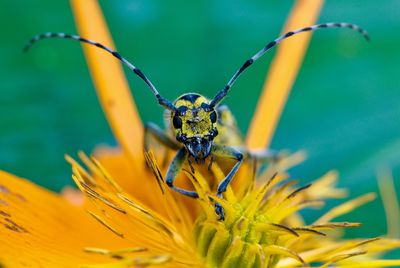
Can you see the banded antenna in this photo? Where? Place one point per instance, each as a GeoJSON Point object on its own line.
{"type": "Point", "coordinates": [162, 101]}
{"type": "Point", "coordinates": [223, 92]}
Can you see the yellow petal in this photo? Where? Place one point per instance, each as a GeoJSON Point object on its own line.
{"type": "Point", "coordinates": [108, 77]}
{"type": "Point", "coordinates": [282, 75]}
{"type": "Point", "coordinates": [391, 203]}
{"type": "Point", "coordinates": [341, 257]}
{"type": "Point", "coordinates": [346, 207]}
{"type": "Point", "coordinates": [374, 263]}
{"type": "Point", "coordinates": [40, 229]}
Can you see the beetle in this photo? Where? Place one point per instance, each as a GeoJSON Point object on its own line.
{"type": "Point", "coordinates": [196, 121]}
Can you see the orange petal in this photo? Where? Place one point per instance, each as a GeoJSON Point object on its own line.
{"type": "Point", "coordinates": [72, 195]}
{"type": "Point", "coordinates": [109, 79]}
{"type": "Point", "coordinates": [282, 75]}
{"type": "Point", "coordinates": [136, 182]}
{"type": "Point", "coordinates": [40, 229]}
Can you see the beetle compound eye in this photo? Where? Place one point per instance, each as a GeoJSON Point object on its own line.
{"type": "Point", "coordinates": [177, 122]}
{"type": "Point", "coordinates": [182, 110]}
{"type": "Point", "coordinates": [206, 107]}
{"type": "Point", "coordinates": [213, 117]}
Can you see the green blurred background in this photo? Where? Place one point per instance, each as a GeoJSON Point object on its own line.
{"type": "Point", "coordinates": [344, 108]}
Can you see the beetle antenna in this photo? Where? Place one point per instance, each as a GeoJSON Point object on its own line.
{"type": "Point", "coordinates": [223, 92]}
{"type": "Point", "coordinates": [162, 101]}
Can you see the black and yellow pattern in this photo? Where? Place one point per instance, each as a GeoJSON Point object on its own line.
{"type": "Point", "coordinates": [201, 128]}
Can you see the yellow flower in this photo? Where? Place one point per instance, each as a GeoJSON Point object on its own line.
{"type": "Point", "coordinates": [131, 219]}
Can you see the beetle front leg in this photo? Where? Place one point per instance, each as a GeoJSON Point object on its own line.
{"type": "Point", "coordinates": [173, 170]}
{"type": "Point", "coordinates": [226, 152]}
{"type": "Point", "coordinates": [155, 131]}
{"type": "Point", "coordinates": [152, 130]}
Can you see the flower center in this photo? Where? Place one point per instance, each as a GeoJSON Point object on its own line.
{"type": "Point", "coordinates": [241, 241]}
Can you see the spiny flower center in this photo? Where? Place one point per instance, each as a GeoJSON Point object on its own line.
{"type": "Point", "coordinates": [242, 242]}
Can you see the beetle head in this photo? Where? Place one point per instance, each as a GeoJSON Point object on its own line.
{"type": "Point", "coordinates": [194, 123]}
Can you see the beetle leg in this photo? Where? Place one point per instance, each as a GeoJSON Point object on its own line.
{"type": "Point", "coordinates": [173, 170]}
{"type": "Point", "coordinates": [226, 152]}
{"type": "Point", "coordinates": [211, 162]}
{"type": "Point", "coordinates": [152, 130]}
{"type": "Point", "coordinates": [190, 165]}
{"type": "Point", "coordinates": [155, 131]}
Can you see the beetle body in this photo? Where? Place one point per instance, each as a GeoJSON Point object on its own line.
{"type": "Point", "coordinates": [200, 127]}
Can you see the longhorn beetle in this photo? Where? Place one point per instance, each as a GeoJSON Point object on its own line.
{"type": "Point", "coordinates": [195, 121]}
